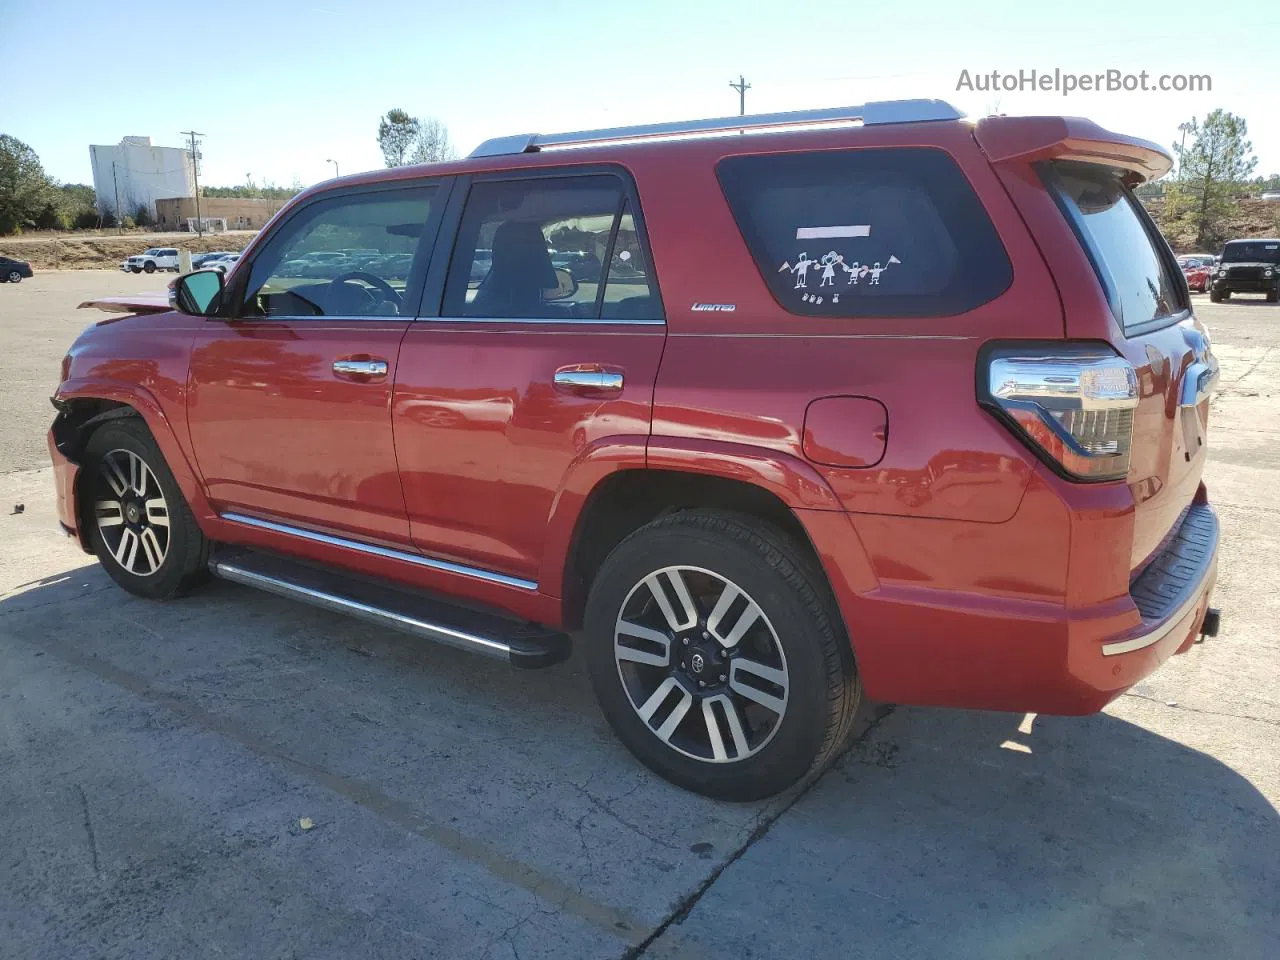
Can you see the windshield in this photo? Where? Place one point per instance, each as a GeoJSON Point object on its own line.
{"type": "Point", "coordinates": [1252, 251]}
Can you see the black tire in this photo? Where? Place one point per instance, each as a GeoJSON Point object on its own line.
{"type": "Point", "coordinates": [135, 269]}
{"type": "Point", "coordinates": [186, 551]}
{"type": "Point", "coordinates": [1273, 296]}
{"type": "Point", "coordinates": [149, 267]}
{"type": "Point", "coordinates": [822, 689]}
{"type": "Point", "coordinates": [15, 276]}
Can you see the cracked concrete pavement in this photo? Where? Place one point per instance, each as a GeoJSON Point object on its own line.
{"type": "Point", "coordinates": [157, 760]}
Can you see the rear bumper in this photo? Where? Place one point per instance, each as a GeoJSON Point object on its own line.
{"type": "Point", "coordinates": [922, 645]}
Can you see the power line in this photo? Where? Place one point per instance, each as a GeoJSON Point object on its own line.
{"type": "Point", "coordinates": [742, 87]}
{"type": "Point", "coordinates": [195, 175]}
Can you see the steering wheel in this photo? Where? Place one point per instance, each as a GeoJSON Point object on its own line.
{"type": "Point", "coordinates": [388, 292]}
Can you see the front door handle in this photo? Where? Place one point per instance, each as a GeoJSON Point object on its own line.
{"type": "Point", "coordinates": [360, 368]}
{"type": "Point", "coordinates": [588, 380]}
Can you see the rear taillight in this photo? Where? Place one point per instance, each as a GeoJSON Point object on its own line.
{"type": "Point", "coordinates": [1073, 404]}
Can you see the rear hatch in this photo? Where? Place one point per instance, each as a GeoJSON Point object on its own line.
{"type": "Point", "coordinates": [1122, 293]}
{"type": "Point", "coordinates": [1156, 331]}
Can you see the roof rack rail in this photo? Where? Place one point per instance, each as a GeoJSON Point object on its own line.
{"type": "Point", "coordinates": [884, 111]}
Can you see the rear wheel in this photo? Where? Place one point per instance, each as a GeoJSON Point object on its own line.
{"type": "Point", "coordinates": [141, 528]}
{"type": "Point", "coordinates": [716, 657]}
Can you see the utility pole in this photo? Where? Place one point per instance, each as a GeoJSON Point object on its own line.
{"type": "Point", "coordinates": [195, 176]}
{"type": "Point", "coordinates": [116, 183]}
{"type": "Point", "coordinates": [742, 87]}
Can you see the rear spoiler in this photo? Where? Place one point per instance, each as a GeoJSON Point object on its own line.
{"type": "Point", "coordinates": [1030, 139]}
{"type": "Point", "coordinates": [134, 303]}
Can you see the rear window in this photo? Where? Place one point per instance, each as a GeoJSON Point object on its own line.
{"type": "Point", "coordinates": [851, 233]}
{"type": "Point", "coordinates": [1132, 260]}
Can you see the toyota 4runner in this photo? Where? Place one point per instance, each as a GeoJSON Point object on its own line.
{"type": "Point", "coordinates": [869, 399]}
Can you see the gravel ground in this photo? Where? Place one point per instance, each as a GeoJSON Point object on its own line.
{"type": "Point", "coordinates": [159, 760]}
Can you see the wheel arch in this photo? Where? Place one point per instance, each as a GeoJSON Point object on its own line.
{"type": "Point", "coordinates": [627, 499]}
{"type": "Point", "coordinates": [84, 406]}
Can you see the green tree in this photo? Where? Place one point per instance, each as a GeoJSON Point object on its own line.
{"type": "Point", "coordinates": [25, 189]}
{"type": "Point", "coordinates": [142, 216]}
{"type": "Point", "coordinates": [1210, 170]}
{"type": "Point", "coordinates": [397, 134]}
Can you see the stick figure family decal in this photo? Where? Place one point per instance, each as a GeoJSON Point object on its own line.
{"type": "Point", "coordinates": [826, 266]}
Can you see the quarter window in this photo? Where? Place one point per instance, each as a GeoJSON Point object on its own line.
{"type": "Point", "coordinates": [849, 233]}
{"type": "Point", "coordinates": [549, 248]}
{"type": "Point", "coordinates": [347, 257]}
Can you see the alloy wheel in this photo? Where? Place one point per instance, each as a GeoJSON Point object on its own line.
{"type": "Point", "coordinates": [701, 664]}
{"type": "Point", "coordinates": [131, 513]}
{"type": "Point", "coordinates": [14, 276]}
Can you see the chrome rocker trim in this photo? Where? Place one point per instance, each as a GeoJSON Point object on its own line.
{"type": "Point", "coordinates": [371, 549]}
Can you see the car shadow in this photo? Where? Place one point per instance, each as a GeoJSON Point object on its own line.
{"type": "Point", "coordinates": [938, 833]}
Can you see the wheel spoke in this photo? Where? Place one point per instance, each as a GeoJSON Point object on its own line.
{"type": "Point", "coordinates": [110, 513]}
{"type": "Point", "coordinates": [152, 549]}
{"type": "Point", "coordinates": [745, 620]}
{"type": "Point", "coordinates": [650, 706]}
{"type": "Point", "coordinates": [625, 651]}
{"type": "Point", "coordinates": [137, 475]}
{"type": "Point", "coordinates": [689, 609]}
{"type": "Point", "coordinates": [669, 725]}
{"type": "Point", "coordinates": [157, 512]}
{"type": "Point", "coordinates": [736, 734]}
{"type": "Point", "coordinates": [127, 549]}
{"type": "Point", "coordinates": [771, 675]}
{"type": "Point", "coordinates": [114, 476]}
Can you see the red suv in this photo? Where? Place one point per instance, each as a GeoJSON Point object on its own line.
{"type": "Point", "coordinates": [915, 407]}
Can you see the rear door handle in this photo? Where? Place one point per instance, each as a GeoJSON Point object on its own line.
{"type": "Point", "coordinates": [588, 380]}
{"type": "Point", "coordinates": [353, 368]}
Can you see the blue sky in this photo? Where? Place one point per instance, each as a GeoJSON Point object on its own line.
{"type": "Point", "coordinates": [280, 87]}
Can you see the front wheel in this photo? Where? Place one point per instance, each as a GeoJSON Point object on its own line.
{"type": "Point", "coordinates": [141, 528]}
{"type": "Point", "coordinates": [1215, 296]}
{"type": "Point", "coordinates": [15, 276]}
{"type": "Point", "coordinates": [149, 267]}
{"type": "Point", "coordinates": [716, 656]}
{"type": "Point", "coordinates": [135, 269]}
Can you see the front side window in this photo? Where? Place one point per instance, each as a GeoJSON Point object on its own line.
{"type": "Point", "coordinates": [545, 248]}
{"type": "Point", "coordinates": [877, 232]}
{"type": "Point", "coordinates": [1131, 259]}
{"type": "Point", "coordinates": [345, 257]}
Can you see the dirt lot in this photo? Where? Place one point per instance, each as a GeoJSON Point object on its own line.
{"type": "Point", "coordinates": [74, 251]}
{"type": "Point", "coordinates": [157, 759]}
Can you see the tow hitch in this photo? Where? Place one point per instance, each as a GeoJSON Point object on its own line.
{"type": "Point", "coordinates": [1212, 620]}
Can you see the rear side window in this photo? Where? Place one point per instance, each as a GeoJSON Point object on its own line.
{"type": "Point", "coordinates": [893, 232]}
{"type": "Point", "coordinates": [1133, 262]}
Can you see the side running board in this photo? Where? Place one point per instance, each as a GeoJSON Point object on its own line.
{"type": "Point", "coordinates": [522, 644]}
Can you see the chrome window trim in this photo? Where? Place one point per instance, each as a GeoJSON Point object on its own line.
{"type": "Point", "coordinates": [542, 321]}
{"type": "Point", "coordinates": [377, 551]}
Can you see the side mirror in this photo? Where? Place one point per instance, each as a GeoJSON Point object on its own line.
{"type": "Point", "coordinates": [565, 286]}
{"type": "Point", "coordinates": [198, 294]}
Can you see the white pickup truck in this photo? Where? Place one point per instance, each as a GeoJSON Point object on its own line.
{"type": "Point", "coordinates": [151, 260]}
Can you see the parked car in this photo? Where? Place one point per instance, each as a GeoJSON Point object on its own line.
{"type": "Point", "coordinates": [222, 264]}
{"type": "Point", "coordinates": [831, 442]}
{"type": "Point", "coordinates": [200, 259]}
{"type": "Point", "coordinates": [1247, 266]}
{"type": "Point", "coordinates": [151, 260]}
{"type": "Point", "coordinates": [13, 271]}
{"type": "Point", "coordinates": [1197, 271]}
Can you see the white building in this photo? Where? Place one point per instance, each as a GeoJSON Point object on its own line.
{"type": "Point", "coordinates": [139, 174]}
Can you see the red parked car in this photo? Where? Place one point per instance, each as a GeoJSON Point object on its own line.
{"type": "Point", "coordinates": [916, 407]}
{"type": "Point", "coordinates": [1197, 271]}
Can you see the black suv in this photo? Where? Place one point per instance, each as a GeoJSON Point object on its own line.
{"type": "Point", "coordinates": [1247, 266]}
